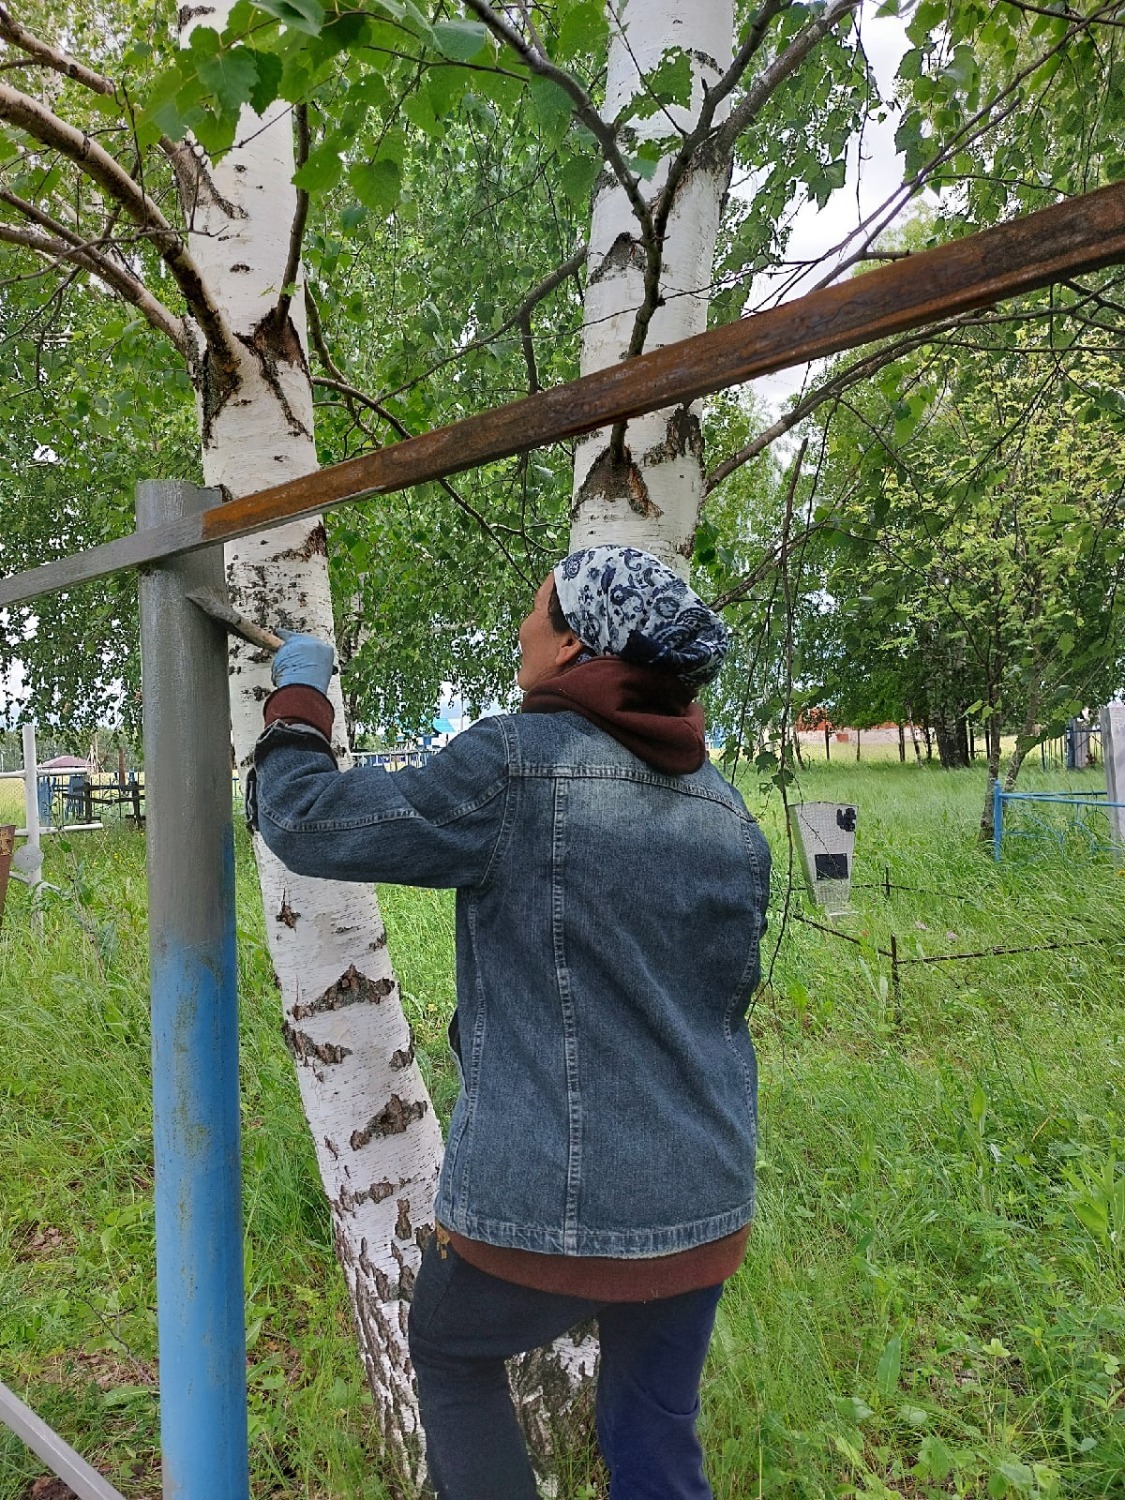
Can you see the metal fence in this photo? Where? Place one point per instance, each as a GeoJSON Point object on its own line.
{"type": "Point", "coordinates": [1086, 821]}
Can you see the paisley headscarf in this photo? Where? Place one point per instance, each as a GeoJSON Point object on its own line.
{"type": "Point", "coordinates": [623, 602]}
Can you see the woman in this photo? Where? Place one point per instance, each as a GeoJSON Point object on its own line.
{"type": "Point", "coordinates": [611, 891]}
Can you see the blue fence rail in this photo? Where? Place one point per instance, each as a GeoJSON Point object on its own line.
{"type": "Point", "coordinates": [1079, 801]}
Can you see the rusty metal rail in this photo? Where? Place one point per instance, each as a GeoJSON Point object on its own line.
{"type": "Point", "coordinates": [1080, 235]}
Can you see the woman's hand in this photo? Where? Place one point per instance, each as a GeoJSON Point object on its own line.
{"type": "Point", "coordinates": [303, 661]}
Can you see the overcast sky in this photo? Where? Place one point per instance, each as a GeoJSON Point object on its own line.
{"type": "Point", "coordinates": [870, 182]}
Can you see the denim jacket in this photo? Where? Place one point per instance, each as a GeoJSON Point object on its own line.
{"type": "Point", "coordinates": [608, 921]}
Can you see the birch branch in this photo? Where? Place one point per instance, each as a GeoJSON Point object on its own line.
{"type": "Point", "coordinates": [42, 53]}
{"type": "Point", "coordinates": [604, 134]}
{"type": "Point", "coordinates": [300, 219]}
{"type": "Point", "coordinates": [115, 277]}
{"type": "Point", "coordinates": [101, 168]}
{"type": "Point", "coordinates": [771, 78]}
{"type": "Point", "coordinates": [682, 163]}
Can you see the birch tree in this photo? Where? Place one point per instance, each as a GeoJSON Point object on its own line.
{"type": "Point", "coordinates": [229, 244]}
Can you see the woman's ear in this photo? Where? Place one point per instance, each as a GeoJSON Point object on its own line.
{"type": "Point", "coordinates": [568, 649]}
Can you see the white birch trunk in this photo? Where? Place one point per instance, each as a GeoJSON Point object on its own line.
{"type": "Point", "coordinates": [378, 1141]}
{"type": "Point", "coordinates": [654, 502]}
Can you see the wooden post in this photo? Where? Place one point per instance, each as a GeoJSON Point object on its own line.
{"type": "Point", "coordinates": [7, 847]}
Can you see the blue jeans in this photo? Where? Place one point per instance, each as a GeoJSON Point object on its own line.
{"type": "Point", "coordinates": [465, 1323]}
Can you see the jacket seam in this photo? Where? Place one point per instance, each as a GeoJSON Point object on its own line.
{"type": "Point", "coordinates": [566, 1007]}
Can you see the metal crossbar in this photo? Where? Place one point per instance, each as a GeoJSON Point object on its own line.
{"type": "Point", "coordinates": [60, 1457]}
{"type": "Point", "coordinates": [1055, 244]}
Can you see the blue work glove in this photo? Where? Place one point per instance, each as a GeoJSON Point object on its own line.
{"type": "Point", "coordinates": [303, 661]}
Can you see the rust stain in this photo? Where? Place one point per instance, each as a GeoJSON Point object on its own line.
{"type": "Point", "coordinates": [7, 845]}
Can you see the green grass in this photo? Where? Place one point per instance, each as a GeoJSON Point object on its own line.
{"type": "Point", "coordinates": [932, 1301]}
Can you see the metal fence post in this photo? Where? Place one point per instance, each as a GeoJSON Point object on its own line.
{"type": "Point", "coordinates": [200, 1301]}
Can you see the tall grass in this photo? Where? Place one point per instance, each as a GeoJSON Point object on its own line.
{"type": "Point", "coordinates": [932, 1301]}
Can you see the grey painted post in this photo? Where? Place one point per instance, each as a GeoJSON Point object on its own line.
{"type": "Point", "coordinates": [200, 1306]}
{"type": "Point", "coordinates": [1113, 749]}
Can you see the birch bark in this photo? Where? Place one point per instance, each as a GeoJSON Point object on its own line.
{"type": "Point", "coordinates": [652, 500]}
{"type": "Point", "coordinates": [377, 1139]}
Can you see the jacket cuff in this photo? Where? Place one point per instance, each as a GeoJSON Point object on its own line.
{"type": "Point", "coordinates": [303, 705]}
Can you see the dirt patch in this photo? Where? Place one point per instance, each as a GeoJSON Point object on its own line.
{"type": "Point", "coordinates": [31, 1241]}
{"type": "Point", "coordinates": [47, 1487]}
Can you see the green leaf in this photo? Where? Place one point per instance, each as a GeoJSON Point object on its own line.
{"type": "Point", "coordinates": [671, 81]}
{"type": "Point", "coordinates": [887, 1370]}
{"type": "Point", "coordinates": [577, 179]}
{"type": "Point", "coordinates": [231, 76]}
{"type": "Point", "coordinates": [461, 40]}
{"type": "Point", "coordinates": [376, 184]}
{"type": "Point", "coordinates": [297, 15]}
{"type": "Point", "coordinates": [1018, 1475]}
{"type": "Point", "coordinates": [584, 30]}
{"type": "Point", "coordinates": [935, 1459]}
{"type": "Point", "coordinates": [267, 82]}
{"type": "Point", "coordinates": [323, 169]}
{"type": "Point", "coordinates": [552, 107]}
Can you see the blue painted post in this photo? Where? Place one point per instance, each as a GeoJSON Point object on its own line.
{"type": "Point", "coordinates": [997, 818]}
{"type": "Point", "coordinates": [200, 1301]}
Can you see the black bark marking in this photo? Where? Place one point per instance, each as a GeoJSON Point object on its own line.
{"type": "Point", "coordinates": [625, 252]}
{"type": "Point", "coordinates": [395, 1119]}
{"type": "Point", "coordinates": [683, 435]}
{"type": "Point", "coordinates": [376, 1193]}
{"type": "Point", "coordinates": [315, 545]}
{"type": "Point", "coordinates": [405, 1055]}
{"type": "Point", "coordinates": [352, 988]}
{"type": "Point", "coordinates": [303, 1047]}
{"type": "Point", "coordinates": [404, 1229]}
{"type": "Point", "coordinates": [289, 917]}
{"type": "Point", "coordinates": [615, 482]}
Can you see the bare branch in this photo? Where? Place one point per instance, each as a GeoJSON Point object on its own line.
{"type": "Point", "coordinates": [127, 287]}
{"type": "Point", "coordinates": [513, 320]}
{"type": "Point", "coordinates": [50, 57]}
{"type": "Point", "coordinates": [97, 164]}
{"type": "Point", "coordinates": [770, 79]}
{"type": "Point", "coordinates": [774, 558]}
{"type": "Point", "coordinates": [335, 381]}
{"type": "Point", "coordinates": [604, 134]}
{"type": "Point", "coordinates": [300, 219]}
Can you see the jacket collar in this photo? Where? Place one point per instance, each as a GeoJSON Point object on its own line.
{"type": "Point", "coordinates": [651, 712]}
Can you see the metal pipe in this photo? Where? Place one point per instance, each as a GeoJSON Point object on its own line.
{"type": "Point", "coordinates": [200, 1302]}
{"type": "Point", "coordinates": [60, 1457]}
